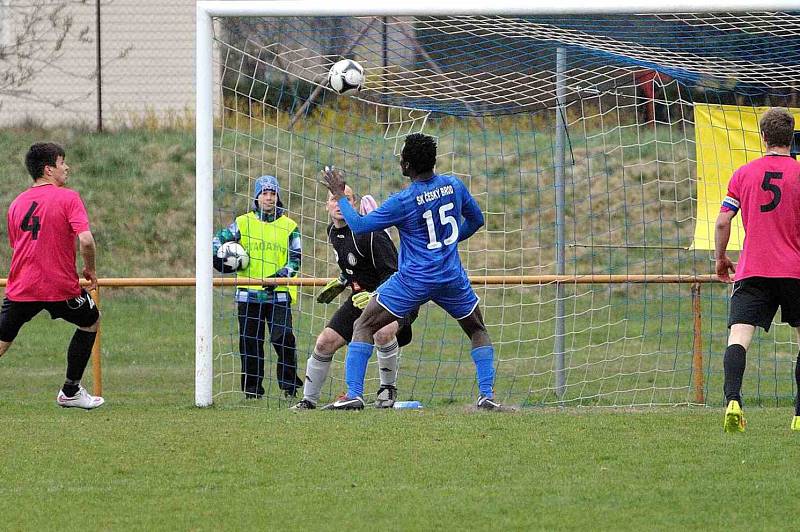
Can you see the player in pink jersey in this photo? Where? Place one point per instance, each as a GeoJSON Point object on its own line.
{"type": "Point", "coordinates": [43, 222]}
{"type": "Point", "coordinates": [767, 193]}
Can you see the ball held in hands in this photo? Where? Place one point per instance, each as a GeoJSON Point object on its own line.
{"type": "Point", "coordinates": [233, 255]}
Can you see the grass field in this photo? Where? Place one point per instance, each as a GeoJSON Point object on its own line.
{"type": "Point", "coordinates": [626, 345]}
{"type": "Point", "coordinates": [150, 460]}
{"type": "Point", "coordinates": [143, 464]}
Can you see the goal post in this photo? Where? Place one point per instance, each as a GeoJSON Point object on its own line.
{"type": "Point", "coordinates": [204, 215]}
{"type": "Point", "coordinates": [627, 207]}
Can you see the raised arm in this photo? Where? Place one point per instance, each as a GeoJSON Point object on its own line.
{"type": "Point", "coordinates": [387, 215]}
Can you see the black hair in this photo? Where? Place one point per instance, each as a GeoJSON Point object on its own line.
{"type": "Point", "coordinates": [419, 151]}
{"type": "Point", "coordinates": [40, 155]}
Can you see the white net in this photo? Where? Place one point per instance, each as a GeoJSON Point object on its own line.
{"type": "Point", "coordinates": [486, 88]}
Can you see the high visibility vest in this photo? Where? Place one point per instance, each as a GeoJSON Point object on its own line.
{"type": "Point", "coordinates": [267, 244]}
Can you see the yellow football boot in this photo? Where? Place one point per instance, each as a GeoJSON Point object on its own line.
{"type": "Point", "coordinates": [734, 418]}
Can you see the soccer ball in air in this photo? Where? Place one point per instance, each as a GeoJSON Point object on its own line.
{"type": "Point", "coordinates": [233, 255]}
{"type": "Point", "coordinates": [346, 76]}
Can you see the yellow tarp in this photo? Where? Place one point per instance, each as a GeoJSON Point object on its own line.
{"type": "Point", "coordinates": [727, 137]}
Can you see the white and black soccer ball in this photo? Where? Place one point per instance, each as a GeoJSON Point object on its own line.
{"type": "Point", "coordinates": [233, 255]}
{"type": "Point", "coordinates": [346, 76]}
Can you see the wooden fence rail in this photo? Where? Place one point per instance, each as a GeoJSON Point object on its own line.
{"type": "Point", "coordinates": [508, 280]}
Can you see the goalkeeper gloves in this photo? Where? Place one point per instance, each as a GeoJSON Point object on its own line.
{"type": "Point", "coordinates": [331, 290]}
{"type": "Point", "coordinates": [361, 299]}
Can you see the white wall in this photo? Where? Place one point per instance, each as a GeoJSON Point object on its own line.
{"type": "Point", "coordinates": [148, 66]}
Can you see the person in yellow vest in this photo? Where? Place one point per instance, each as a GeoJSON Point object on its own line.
{"type": "Point", "coordinates": [272, 240]}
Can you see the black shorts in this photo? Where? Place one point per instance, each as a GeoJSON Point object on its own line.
{"type": "Point", "coordinates": [345, 316]}
{"type": "Point", "coordinates": [755, 300]}
{"type": "Point", "coordinates": [80, 311]}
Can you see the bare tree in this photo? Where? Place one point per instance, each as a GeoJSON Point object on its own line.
{"type": "Point", "coordinates": [32, 38]}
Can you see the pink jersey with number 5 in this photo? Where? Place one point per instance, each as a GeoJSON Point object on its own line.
{"type": "Point", "coordinates": [767, 192]}
{"type": "Point", "coordinates": [43, 222]}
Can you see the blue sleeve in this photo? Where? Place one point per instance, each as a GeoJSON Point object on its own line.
{"type": "Point", "coordinates": [387, 215]}
{"type": "Point", "coordinates": [230, 233]}
{"type": "Point", "coordinates": [473, 217]}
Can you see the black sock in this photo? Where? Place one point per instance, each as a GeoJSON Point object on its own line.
{"type": "Point", "coordinates": [70, 388]}
{"type": "Point", "coordinates": [797, 383]}
{"type": "Point", "coordinates": [78, 353]}
{"type": "Point", "coordinates": [734, 363]}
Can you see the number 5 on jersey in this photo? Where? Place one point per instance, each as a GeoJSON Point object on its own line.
{"type": "Point", "coordinates": [31, 223]}
{"type": "Point", "coordinates": [767, 185]}
{"type": "Point", "coordinates": [444, 219]}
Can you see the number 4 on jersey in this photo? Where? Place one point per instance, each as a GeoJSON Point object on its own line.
{"type": "Point", "coordinates": [445, 219]}
{"type": "Point", "coordinates": [31, 222]}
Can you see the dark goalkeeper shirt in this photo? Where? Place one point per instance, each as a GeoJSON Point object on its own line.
{"type": "Point", "coordinates": [365, 260]}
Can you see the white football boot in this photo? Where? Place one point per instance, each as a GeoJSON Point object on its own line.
{"type": "Point", "coordinates": [82, 399]}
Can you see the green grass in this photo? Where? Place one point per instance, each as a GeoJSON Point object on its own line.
{"type": "Point", "coordinates": [625, 344]}
{"type": "Point", "coordinates": [150, 460]}
{"type": "Point", "coordinates": [138, 187]}
{"type": "Point", "coordinates": [141, 464]}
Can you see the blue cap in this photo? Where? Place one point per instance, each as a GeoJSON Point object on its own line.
{"type": "Point", "coordinates": [266, 182]}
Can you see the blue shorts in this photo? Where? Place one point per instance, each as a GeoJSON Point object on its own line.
{"type": "Point", "coordinates": [401, 297]}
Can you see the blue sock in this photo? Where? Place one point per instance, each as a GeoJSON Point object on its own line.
{"type": "Point", "coordinates": [355, 367]}
{"type": "Point", "coordinates": [484, 369]}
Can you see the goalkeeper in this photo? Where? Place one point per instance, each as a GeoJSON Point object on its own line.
{"type": "Point", "coordinates": [365, 261]}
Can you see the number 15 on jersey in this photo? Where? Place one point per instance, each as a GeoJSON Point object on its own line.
{"type": "Point", "coordinates": [444, 219]}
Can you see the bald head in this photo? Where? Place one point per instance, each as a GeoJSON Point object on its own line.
{"type": "Point", "coordinates": [347, 192]}
{"type": "Point", "coordinates": [333, 206]}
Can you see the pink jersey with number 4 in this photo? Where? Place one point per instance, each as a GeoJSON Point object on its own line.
{"type": "Point", "coordinates": [43, 222]}
{"type": "Point", "coordinates": [767, 192]}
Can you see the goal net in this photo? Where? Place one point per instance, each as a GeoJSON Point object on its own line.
{"type": "Point", "coordinates": [598, 148]}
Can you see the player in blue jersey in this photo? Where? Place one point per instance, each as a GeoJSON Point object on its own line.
{"type": "Point", "coordinates": [433, 214]}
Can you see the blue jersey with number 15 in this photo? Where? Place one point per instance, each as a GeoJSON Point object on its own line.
{"type": "Point", "coordinates": [432, 217]}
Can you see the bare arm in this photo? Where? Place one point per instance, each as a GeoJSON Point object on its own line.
{"type": "Point", "coordinates": [88, 251]}
{"type": "Point", "coordinates": [722, 233]}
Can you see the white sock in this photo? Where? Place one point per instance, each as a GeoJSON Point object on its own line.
{"type": "Point", "coordinates": [317, 369]}
{"type": "Point", "coordinates": [387, 362]}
